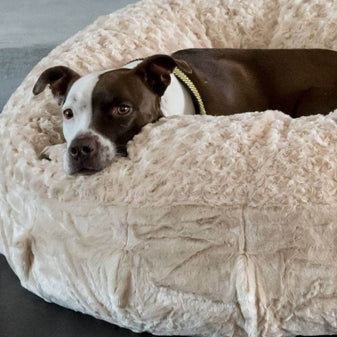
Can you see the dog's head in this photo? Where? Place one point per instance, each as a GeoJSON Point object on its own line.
{"type": "Point", "coordinates": [103, 111]}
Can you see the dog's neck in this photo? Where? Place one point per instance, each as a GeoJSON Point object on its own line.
{"type": "Point", "coordinates": [176, 99]}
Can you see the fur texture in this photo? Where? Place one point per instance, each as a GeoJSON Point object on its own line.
{"type": "Point", "coordinates": [214, 226]}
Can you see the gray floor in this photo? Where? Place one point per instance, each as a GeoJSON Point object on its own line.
{"type": "Point", "coordinates": [29, 29]}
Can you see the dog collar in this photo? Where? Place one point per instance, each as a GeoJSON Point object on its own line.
{"type": "Point", "coordinates": [190, 86]}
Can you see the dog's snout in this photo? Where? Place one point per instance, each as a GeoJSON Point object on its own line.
{"type": "Point", "coordinates": [84, 154]}
{"type": "Point", "coordinates": [83, 147]}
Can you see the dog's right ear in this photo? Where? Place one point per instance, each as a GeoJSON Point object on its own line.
{"type": "Point", "coordinates": [59, 78]}
{"type": "Point", "coordinates": [156, 71]}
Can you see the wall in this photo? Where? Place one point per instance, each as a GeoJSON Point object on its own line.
{"type": "Point", "coordinates": [29, 29]}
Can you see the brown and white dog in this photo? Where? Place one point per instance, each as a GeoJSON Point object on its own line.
{"type": "Point", "coordinates": [104, 110]}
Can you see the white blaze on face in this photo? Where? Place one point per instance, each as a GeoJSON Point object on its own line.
{"type": "Point", "coordinates": [79, 101]}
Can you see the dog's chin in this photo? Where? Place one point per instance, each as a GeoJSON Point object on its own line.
{"type": "Point", "coordinates": [84, 172]}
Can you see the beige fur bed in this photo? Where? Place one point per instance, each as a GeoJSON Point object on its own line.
{"type": "Point", "coordinates": [213, 226]}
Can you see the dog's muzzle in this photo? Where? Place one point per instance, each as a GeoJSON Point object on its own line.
{"type": "Point", "coordinates": [86, 154]}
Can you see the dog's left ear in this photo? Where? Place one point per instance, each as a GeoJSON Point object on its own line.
{"type": "Point", "coordinates": [59, 78]}
{"type": "Point", "coordinates": [156, 71]}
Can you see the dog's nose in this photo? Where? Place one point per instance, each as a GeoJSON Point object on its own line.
{"type": "Point", "coordinates": [83, 148]}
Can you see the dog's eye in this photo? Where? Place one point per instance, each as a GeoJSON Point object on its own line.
{"type": "Point", "coordinates": [68, 114]}
{"type": "Point", "coordinates": [123, 109]}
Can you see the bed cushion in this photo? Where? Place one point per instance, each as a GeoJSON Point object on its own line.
{"type": "Point", "coordinates": [212, 226]}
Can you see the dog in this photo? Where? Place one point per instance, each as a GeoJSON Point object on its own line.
{"type": "Point", "coordinates": [102, 111]}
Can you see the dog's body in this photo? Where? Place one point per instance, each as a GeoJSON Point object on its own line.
{"type": "Point", "coordinates": [104, 110]}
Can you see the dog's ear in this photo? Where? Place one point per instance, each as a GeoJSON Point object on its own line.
{"type": "Point", "coordinates": [156, 71]}
{"type": "Point", "coordinates": [59, 78]}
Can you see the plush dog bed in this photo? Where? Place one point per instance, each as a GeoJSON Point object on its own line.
{"type": "Point", "coordinates": [213, 226]}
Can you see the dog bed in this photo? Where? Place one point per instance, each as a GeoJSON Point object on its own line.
{"type": "Point", "coordinates": [213, 226]}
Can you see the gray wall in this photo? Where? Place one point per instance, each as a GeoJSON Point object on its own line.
{"type": "Point", "coordinates": [29, 29]}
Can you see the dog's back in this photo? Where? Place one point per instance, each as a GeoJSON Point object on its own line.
{"type": "Point", "coordinates": [240, 80]}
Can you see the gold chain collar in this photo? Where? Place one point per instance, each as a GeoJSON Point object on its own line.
{"type": "Point", "coordinates": [190, 85]}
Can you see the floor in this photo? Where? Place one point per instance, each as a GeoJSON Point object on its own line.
{"type": "Point", "coordinates": [25, 315]}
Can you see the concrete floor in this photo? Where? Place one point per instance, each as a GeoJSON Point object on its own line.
{"type": "Point", "coordinates": [29, 29]}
